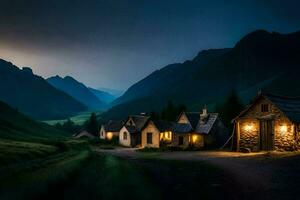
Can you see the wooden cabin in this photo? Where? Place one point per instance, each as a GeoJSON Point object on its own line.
{"type": "Point", "coordinates": [110, 130]}
{"type": "Point", "coordinates": [200, 130]}
{"type": "Point", "coordinates": [270, 122]}
{"type": "Point", "coordinates": [130, 133]}
{"type": "Point", "coordinates": [157, 133]}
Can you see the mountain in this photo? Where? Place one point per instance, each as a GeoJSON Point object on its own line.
{"type": "Point", "coordinates": [260, 60]}
{"type": "Point", "coordinates": [101, 95]}
{"type": "Point", "coordinates": [16, 126]}
{"type": "Point", "coordinates": [77, 90]}
{"type": "Point", "coordinates": [114, 92]}
{"type": "Point", "coordinates": [33, 95]}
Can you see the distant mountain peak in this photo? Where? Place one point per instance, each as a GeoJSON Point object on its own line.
{"type": "Point", "coordinates": [27, 70]}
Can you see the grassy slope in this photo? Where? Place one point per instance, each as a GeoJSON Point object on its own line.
{"type": "Point", "coordinates": [16, 126]}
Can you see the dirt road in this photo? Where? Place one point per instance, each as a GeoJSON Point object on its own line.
{"type": "Point", "coordinates": [261, 175]}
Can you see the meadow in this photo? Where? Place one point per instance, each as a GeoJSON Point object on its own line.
{"type": "Point", "coordinates": [79, 119]}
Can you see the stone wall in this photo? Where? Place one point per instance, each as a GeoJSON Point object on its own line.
{"type": "Point", "coordinates": [249, 134]}
{"type": "Point", "coordinates": [285, 137]}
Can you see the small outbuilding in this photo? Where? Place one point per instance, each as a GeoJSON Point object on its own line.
{"type": "Point", "coordinates": [269, 122]}
{"type": "Point", "coordinates": [110, 130]}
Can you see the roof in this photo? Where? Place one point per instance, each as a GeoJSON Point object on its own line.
{"type": "Point", "coordinates": [290, 106]}
{"type": "Point", "coordinates": [207, 125]}
{"type": "Point", "coordinates": [182, 128]}
{"type": "Point", "coordinates": [163, 126]}
{"type": "Point", "coordinates": [131, 129]}
{"type": "Point", "coordinates": [83, 134]}
{"type": "Point", "coordinates": [197, 124]}
{"type": "Point", "coordinates": [139, 121]}
{"type": "Point", "coordinates": [113, 126]}
{"type": "Point", "coordinates": [193, 118]}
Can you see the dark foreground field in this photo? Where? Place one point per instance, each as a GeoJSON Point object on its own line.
{"type": "Point", "coordinates": [72, 170]}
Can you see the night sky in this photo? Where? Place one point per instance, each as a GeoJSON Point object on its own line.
{"type": "Point", "coordinates": [115, 43]}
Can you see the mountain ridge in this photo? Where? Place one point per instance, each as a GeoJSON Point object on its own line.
{"type": "Point", "coordinates": [77, 90]}
{"type": "Point", "coordinates": [212, 74]}
{"type": "Point", "coordinates": [33, 95]}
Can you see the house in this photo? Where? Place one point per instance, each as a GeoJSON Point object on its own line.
{"type": "Point", "coordinates": [270, 122]}
{"type": "Point", "coordinates": [83, 134]}
{"type": "Point", "coordinates": [157, 133]}
{"type": "Point", "coordinates": [200, 130]}
{"type": "Point", "coordinates": [130, 133]}
{"type": "Point", "coordinates": [110, 130]}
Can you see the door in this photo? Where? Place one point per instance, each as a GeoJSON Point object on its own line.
{"type": "Point", "coordinates": [180, 140]}
{"type": "Point", "coordinates": [266, 135]}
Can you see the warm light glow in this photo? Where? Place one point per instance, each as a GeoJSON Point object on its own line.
{"type": "Point", "coordinates": [283, 128]}
{"type": "Point", "coordinates": [166, 135]}
{"type": "Point", "coordinates": [249, 127]}
{"type": "Point", "coordinates": [195, 138]}
{"type": "Point", "coordinates": [109, 135]}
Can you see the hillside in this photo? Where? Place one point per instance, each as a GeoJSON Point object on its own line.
{"type": "Point", "coordinates": [103, 96]}
{"type": "Point", "coordinates": [260, 60]}
{"type": "Point", "coordinates": [16, 126]}
{"type": "Point", "coordinates": [34, 96]}
{"type": "Point", "coordinates": [77, 90]}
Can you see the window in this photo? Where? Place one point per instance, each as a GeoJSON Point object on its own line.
{"type": "Point", "coordinates": [125, 135]}
{"type": "Point", "coordinates": [180, 140]}
{"type": "Point", "coordinates": [264, 107]}
{"type": "Point", "coordinates": [149, 138]}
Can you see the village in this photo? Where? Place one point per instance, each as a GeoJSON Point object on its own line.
{"type": "Point", "coordinates": [270, 122]}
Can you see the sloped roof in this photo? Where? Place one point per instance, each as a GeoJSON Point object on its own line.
{"type": "Point", "coordinates": [182, 128]}
{"type": "Point", "coordinates": [290, 106]}
{"type": "Point", "coordinates": [193, 118]}
{"type": "Point", "coordinates": [83, 134]}
{"type": "Point", "coordinates": [163, 126]}
{"type": "Point", "coordinates": [131, 129]}
{"type": "Point", "coordinates": [139, 121]}
{"type": "Point", "coordinates": [113, 126]}
{"type": "Point", "coordinates": [207, 125]}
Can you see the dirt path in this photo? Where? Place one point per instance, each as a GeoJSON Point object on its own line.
{"type": "Point", "coordinates": [261, 175]}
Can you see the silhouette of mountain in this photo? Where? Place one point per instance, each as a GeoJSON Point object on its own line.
{"type": "Point", "coordinates": [77, 90]}
{"type": "Point", "coordinates": [33, 95]}
{"type": "Point", "coordinates": [260, 60]}
{"type": "Point", "coordinates": [103, 96]}
{"type": "Point", "coordinates": [14, 125]}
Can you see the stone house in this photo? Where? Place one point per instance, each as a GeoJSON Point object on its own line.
{"type": "Point", "coordinates": [200, 130]}
{"type": "Point", "coordinates": [157, 133]}
{"type": "Point", "coordinates": [130, 133]}
{"type": "Point", "coordinates": [270, 122]}
{"type": "Point", "coordinates": [110, 130]}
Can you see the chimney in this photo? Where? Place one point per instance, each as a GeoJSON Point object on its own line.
{"type": "Point", "coordinates": [204, 113]}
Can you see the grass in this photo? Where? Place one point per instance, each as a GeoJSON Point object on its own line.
{"type": "Point", "coordinates": [69, 170]}
{"type": "Point", "coordinates": [79, 119]}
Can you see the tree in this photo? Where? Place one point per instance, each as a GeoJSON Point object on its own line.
{"type": "Point", "coordinates": [154, 115]}
{"type": "Point", "coordinates": [171, 112]}
{"type": "Point", "coordinates": [230, 108]}
{"type": "Point", "coordinates": [92, 124]}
